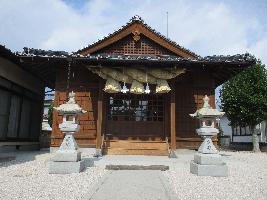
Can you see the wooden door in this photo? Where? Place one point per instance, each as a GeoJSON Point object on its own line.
{"type": "Point", "coordinates": [135, 116]}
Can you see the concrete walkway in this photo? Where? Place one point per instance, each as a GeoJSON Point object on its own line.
{"type": "Point", "coordinates": [132, 185]}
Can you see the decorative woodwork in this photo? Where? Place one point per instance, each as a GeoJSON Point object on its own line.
{"type": "Point", "coordinates": [144, 31]}
{"type": "Point", "coordinates": [135, 115]}
{"type": "Point", "coordinates": [136, 35]}
{"type": "Point", "coordinates": [133, 45]}
{"type": "Point", "coordinates": [130, 107]}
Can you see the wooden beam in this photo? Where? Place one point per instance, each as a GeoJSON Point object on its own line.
{"type": "Point", "coordinates": [173, 121]}
{"type": "Point", "coordinates": [99, 116]}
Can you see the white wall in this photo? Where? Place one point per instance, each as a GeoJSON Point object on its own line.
{"type": "Point", "coordinates": [224, 123]}
{"type": "Point", "coordinates": [227, 130]}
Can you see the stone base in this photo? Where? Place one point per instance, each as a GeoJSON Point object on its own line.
{"type": "Point", "coordinates": [209, 170]}
{"type": "Point", "coordinates": [65, 156]}
{"type": "Point", "coordinates": [65, 167]}
{"type": "Point", "coordinates": [98, 153]}
{"type": "Point", "coordinates": [172, 154]}
{"type": "Point", "coordinates": [208, 159]}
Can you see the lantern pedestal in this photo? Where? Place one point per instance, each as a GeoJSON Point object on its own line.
{"type": "Point", "coordinates": [56, 167]}
{"type": "Point", "coordinates": [219, 170]}
{"type": "Point", "coordinates": [207, 162]}
{"type": "Point", "coordinates": [67, 159]}
{"type": "Point", "coordinates": [207, 146]}
{"type": "Point", "coordinates": [68, 150]}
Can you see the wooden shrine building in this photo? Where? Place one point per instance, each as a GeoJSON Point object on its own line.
{"type": "Point", "coordinates": [132, 122]}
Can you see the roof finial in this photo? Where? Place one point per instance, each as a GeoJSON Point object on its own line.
{"type": "Point", "coordinates": [206, 100]}
{"type": "Point", "coordinates": [136, 18]}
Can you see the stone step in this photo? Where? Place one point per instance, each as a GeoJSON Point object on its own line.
{"type": "Point", "coordinates": [135, 147]}
{"type": "Point", "coordinates": [136, 144]}
{"type": "Point", "coordinates": [152, 138]}
{"type": "Point", "coordinates": [140, 151]}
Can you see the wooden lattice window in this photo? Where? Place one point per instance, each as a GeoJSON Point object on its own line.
{"type": "Point", "coordinates": [127, 45]}
{"type": "Point", "coordinates": [130, 107]}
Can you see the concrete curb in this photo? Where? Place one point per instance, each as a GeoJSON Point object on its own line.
{"type": "Point", "coordinates": [137, 167]}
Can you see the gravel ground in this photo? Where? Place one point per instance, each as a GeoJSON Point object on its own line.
{"type": "Point", "coordinates": [247, 178]}
{"type": "Point", "coordinates": [27, 178]}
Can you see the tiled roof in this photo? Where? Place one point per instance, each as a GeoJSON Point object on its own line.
{"type": "Point", "coordinates": [238, 58]}
{"type": "Point", "coordinates": [40, 52]}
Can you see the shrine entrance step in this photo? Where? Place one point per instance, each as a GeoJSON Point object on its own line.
{"type": "Point", "coordinates": [135, 147]}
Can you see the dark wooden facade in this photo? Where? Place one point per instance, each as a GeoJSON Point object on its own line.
{"type": "Point", "coordinates": [189, 90]}
{"type": "Point", "coordinates": [21, 103]}
{"type": "Point", "coordinates": [186, 96]}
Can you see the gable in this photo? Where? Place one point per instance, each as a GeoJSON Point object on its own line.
{"type": "Point", "coordinates": [129, 45]}
{"type": "Point", "coordinates": [141, 33]}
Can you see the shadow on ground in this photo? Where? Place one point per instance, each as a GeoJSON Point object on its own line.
{"type": "Point", "coordinates": [18, 157]}
{"type": "Point", "coordinates": [89, 161]}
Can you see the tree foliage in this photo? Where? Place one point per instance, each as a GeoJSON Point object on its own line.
{"type": "Point", "coordinates": [244, 97]}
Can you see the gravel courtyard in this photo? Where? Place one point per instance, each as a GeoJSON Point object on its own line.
{"type": "Point", "coordinates": [27, 177]}
{"type": "Point", "coordinates": [247, 178]}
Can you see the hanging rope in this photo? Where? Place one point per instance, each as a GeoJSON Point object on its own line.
{"type": "Point", "coordinates": [68, 78]}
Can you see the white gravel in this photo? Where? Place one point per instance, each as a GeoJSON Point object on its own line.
{"type": "Point", "coordinates": [27, 178]}
{"type": "Point", "coordinates": [247, 178]}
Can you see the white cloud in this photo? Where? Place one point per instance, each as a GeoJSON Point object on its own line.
{"type": "Point", "coordinates": [260, 50]}
{"type": "Point", "coordinates": [206, 27]}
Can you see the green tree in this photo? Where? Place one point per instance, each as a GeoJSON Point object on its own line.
{"type": "Point", "coordinates": [244, 99]}
{"type": "Point", "coordinates": [50, 115]}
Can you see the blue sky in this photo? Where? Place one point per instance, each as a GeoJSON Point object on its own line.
{"type": "Point", "coordinates": [206, 27]}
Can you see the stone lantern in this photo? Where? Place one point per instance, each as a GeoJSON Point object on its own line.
{"type": "Point", "coordinates": [207, 161]}
{"type": "Point", "coordinates": [68, 159]}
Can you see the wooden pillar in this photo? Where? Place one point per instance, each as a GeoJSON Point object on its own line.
{"type": "Point", "coordinates": [173, 121]}
{"type": "Point", "coordinates": [99, 116]}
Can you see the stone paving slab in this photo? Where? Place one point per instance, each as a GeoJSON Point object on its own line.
{"type": "Point", "coordinates": [132, 185]}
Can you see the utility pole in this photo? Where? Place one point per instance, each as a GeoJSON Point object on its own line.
{"type": "Point", "coordinates": [167, 24]}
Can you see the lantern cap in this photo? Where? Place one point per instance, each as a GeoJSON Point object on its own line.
{"type": "Point", "coordinates": [70, 107]}
{"type": "Point", "coordinates": [207, 111]}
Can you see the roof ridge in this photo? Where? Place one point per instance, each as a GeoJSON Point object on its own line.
{"type": "Point", "coordinates": [137, 18]}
